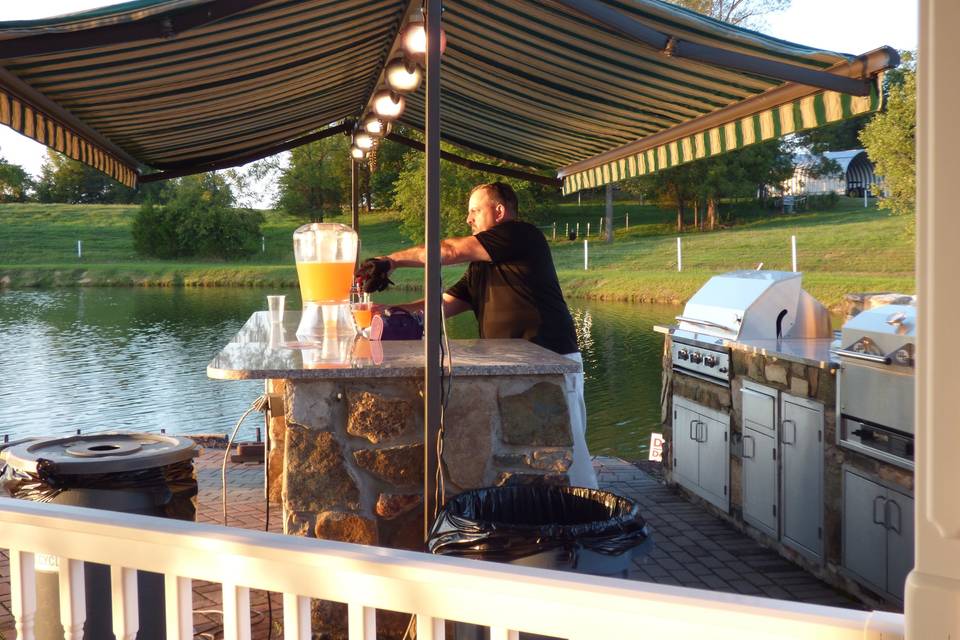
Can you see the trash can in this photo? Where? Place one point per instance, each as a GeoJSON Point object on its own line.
{"type": "Point", "coordinates": [546, 526]}
{"type": "Point", "coordinates": [135, 473]}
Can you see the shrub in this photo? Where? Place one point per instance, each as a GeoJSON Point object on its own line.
{"type": "Point", "coordinates": [822, 201]}
{"type": "Point", "coordinates": [198, 220]}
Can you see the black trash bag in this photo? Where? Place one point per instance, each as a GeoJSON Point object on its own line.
{"type": "Point", "coordinates": [173, 487]}
{"type": "Point", "coordinates": [509, 523]}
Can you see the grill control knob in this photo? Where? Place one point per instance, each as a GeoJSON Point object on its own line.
{"type": "Point", "coordinates": [696, 358]}
{"type": "Point", "coordinates": [710, 361]}
{"type": "Point", "coordinates": [683, 355]}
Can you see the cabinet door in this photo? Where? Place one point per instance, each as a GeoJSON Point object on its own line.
{"type": "Point", "coordinates": [899, 541]}
{"type": "Point", "coordinates": [685, 446]}
{"type": "Point", "coordinates": [715, 460]}
{"type": "Point", "coordinates": [864, 534]}
{"type": "Point", "coordinates": [759, 409]}
{"type": "Point", "coordinates": [760, 480]}
{"type": "Point", "coordinates": [801, 446]}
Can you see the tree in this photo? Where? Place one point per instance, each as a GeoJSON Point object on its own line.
{"type": "Point", "coordinates": [197, 220]}
{"type": "Point", "coordinates": [890, 140]}
{"type": "Point", "coordinates": [15, 182]}
{"type": "Point", "coordinates": [456, 181]}
{"type": "Point", "coordinates": [747, 13]}
{"type": "Point", "coordinates": [316, 183]}
{"type": "Point", "coordinates": [71, 181]}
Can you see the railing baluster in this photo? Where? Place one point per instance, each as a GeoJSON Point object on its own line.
{"type": "Point", "coordinates": [296, 617]}
{"type": "Point", "coordinates": [73, 600]}
{"type": "Point", "coordinates": [499, 633]}
{"type": "Point", "coordinates": [23, 593]}
{"type": "Point", "coordinates": [126, 615]}
{"type": "Point", "coordinates": [178, 593]}
{"type": "Point", "coordinates": [363, 622]}
{"type": "Point", "coordinates": [430, 628]}
{"type": "Point", "coordinates": [236, 612]}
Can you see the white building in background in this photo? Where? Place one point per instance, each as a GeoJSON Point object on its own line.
{"type": "Point", "coordinates": [856, 173]}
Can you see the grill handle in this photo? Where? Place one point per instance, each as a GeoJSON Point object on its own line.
{"type": "Point", "coordinates": [706, 323]}
{"type": "Point", "coordinates": [857, 355]}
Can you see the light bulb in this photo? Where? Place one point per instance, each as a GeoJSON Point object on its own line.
{"type": "Point", "coordinates": [375, 126]}
{"type": "Point", "coordinates": [415, 40]}
{"type": "Point", "coordinates": [357, 153]}
{"type": "Point", "coordinates": [388, 105]}
{"type": "Point", "coordinates": [403, 76]}
{"type": "Point", "coordinates": [363, 141]}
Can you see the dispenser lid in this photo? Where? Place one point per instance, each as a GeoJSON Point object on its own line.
{"type": "Point", "coordinates": [100, 453]}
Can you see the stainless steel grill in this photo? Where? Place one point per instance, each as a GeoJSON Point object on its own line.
{"type": "Point", "coordinates": [876, 383]}
{"type": "Point", "coordinates": [738, 306]}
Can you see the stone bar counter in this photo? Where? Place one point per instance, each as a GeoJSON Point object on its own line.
{"type": "Point", "coordinates": [346, 455]}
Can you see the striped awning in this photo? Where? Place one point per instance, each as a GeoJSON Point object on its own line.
{"type": "Point", "coordinates": [592, 91]}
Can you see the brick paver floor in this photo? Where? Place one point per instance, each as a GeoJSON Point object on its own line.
{"type": "Point", "coordinates": [691, 547]}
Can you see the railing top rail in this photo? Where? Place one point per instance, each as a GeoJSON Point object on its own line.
{"type": "Point", "coordinates": [510, 596]}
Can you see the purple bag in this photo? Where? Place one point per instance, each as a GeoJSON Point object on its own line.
{"type": "Point", "coordinates": [396, 324]}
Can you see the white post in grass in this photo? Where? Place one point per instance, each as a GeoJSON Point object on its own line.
{"type": "Point", "coordinates": [866, 190]}
{"type": "Point", "coordinates": [554, 231]}
{"type": "Point", "coordinates": [578, 229]}
{"type": "Point", "coordinates": [793, 248]}
{"type": "Point", "coordinates": [600, 228]}
{"type": "Point", "coordinates": [263, 244]}
{"type": "Point", "coordinates": [586, 253]}
{"type": "Point", "coordinates": [566, 230]}
{"type": "Point", "coordinates": [627, 228]}
{"type": "Point", "coordinates": [79, 248]}
{"type": "Point", "coordinates": [588, 231]}
{"type": "Point", "coordinates": [679, 256]}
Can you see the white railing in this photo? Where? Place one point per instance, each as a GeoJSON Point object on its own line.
{"type": "Point", "coordinates": [506, 598]}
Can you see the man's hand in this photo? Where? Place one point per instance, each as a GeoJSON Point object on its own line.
{"type": "Point", "coordinates": [373, 274]}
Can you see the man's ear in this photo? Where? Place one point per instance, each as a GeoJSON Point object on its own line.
{"type": "Point", "coordinates": [501, 212]}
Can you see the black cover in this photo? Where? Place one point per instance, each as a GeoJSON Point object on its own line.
{"type": "Point", "coordinates": [512, 522]}
{"type": "Point", "coordinates": [173, 487]}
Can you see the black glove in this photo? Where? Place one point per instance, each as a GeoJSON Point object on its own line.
{"type": "Point", "coordinates": [372, 275]}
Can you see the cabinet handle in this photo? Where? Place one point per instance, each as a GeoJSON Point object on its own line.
{"type": "Point", "coordinates": [753, 447]}
{"type": "Point", "coordinates": [875, 519]}
{"type": "Point", "coordinates": [888, 520]}
{"type": "Point", "coordinates": [783, 431]}
{"type": "Point", "coordinates": [704, 425]}
{"type": "Point", "coordinates": [692, 436]}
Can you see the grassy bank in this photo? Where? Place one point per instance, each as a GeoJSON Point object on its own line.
{"type": "Point", "coordinates": [843, 251]}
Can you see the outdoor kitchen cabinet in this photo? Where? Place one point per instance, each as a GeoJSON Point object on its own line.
{"type": "Point", "coordinates": [782, 466]}
{"type": "Point", "coordinates": [801, 486]}
{"type": "Point", "coordinates": [877, 534]}
{"type": "Point", "coordinates": [760, 475]}
{"type": "Point", "coordinates": [701, 451]}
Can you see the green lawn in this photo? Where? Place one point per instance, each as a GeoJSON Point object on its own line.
{"type": "Point", "coordinates": [847, 250]}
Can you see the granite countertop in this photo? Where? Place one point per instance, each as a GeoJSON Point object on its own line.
{"type": "Point", "coordinates": [261, 350]}
{"type": "Point", "coordinates": [810, 351]}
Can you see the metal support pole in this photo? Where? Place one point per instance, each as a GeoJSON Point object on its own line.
{"type": "Point", "coordinates": [431, 277]}
{"type": "Point", "coordinates": [354, 197]}
{"type": "Point", "coordinates": [586, 254]}
{"type": "Point", "coordinates": [793, 249]}
{"type": "Point", "coordinates": [679, 256]}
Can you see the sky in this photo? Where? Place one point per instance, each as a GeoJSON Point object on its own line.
{"type": "Point", "coordinates": [849, 26]}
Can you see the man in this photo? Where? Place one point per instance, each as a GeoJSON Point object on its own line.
{"type": "Point", "coordinates": [511, 285]}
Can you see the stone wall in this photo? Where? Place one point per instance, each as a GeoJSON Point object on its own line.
{"type": "Point", "coordinates": [800, 380]}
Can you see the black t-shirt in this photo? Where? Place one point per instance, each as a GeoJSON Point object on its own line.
{"type": "Point", "coordinates": [517, 295]}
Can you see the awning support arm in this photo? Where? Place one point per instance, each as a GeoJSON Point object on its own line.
{"type": "Point", "coordinates": [150, 28]}
{"type": "Point", "coordinates": [670, 46]}
{"type": "Point", "coordinates": [481, 166]}
{"type": "Point", "coordinates": [236, 161]}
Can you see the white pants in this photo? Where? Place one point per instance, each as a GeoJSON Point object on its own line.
{"type": "Point", "coordinates": [581, 471]}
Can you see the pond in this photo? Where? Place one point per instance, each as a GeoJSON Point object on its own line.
{"type": "Point", "coordinates": [135, 359]}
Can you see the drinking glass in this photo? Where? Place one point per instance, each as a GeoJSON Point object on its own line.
{"type": "Point", "coordinates": [275, 306]}
{"type": "Point", "coordinates": [362, 310]}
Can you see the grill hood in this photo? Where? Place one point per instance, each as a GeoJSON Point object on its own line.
{"type": "Point", "coordinates": [751, 305]}
{"type": "Point", "coordinates": [888, 331]}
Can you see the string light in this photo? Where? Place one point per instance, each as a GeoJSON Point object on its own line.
{"type": "Point", "coordinates": [388, 105]}
{"type": "Point", "coordinates": [402, 75]}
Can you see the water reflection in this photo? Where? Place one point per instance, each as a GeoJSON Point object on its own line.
{"type": "Point", "coordinates": [135, 359]}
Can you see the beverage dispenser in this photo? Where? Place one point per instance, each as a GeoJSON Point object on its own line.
{"type": "Point", "coordinates": [326, 254]}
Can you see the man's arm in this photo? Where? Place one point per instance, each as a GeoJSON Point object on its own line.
{"type": "Point", "coordinates": [451, 306]}
{"type": "Point", "coordinates": [452, 251]}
